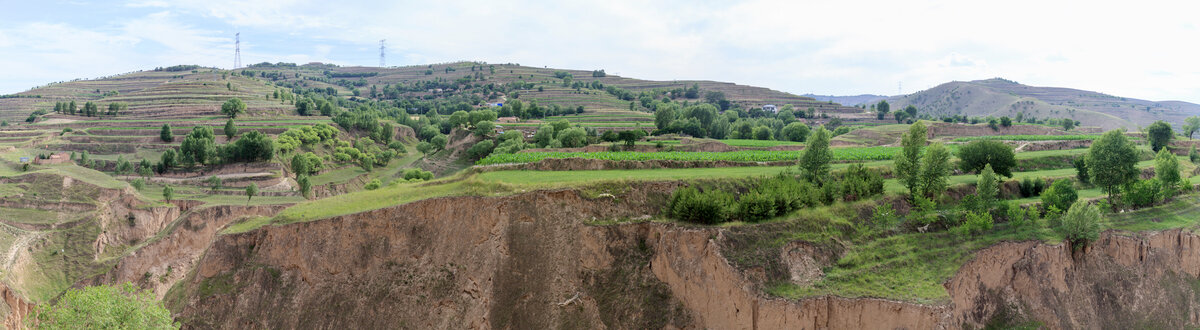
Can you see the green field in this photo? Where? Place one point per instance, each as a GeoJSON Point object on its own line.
{"type": "Point", "coordinates": [839, 154]}
{"type": "Point", "coordinates": [1028, 137]}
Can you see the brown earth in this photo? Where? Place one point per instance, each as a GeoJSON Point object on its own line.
{"type": "Point", "coordinates": [532, 261]}
{"type": "Point", "coordinates": [580, 164]}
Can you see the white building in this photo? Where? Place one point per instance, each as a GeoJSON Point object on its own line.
{"type": "Point", "coordinates": [770, 108]}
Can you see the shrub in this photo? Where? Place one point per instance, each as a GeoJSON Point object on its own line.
{"type": "Point", "coordinates": [975, 223]}
{"type": "Point", "coordinates": [975, 155]}
{"type": "Point", "coordinates": [1081, 171]}
{"type": "Point", "coordinates": [480, 149]}
{"type": "Point", "coordinates": [417, 174]}
{"type": "Point", "coordinates": [305, 185]}
{"type": "Point", "coordinates": [138, 184]}
{"type": "Point", "coordinates": [861, 182]}
{"type": "Point", "coordinates": [756, 206]}
{"type": "Point", "coordinates": [1060, 195]}
{"type": "Point", "coordinates": [1080, 225]}
{"type": "Point", "coordinates": [374, 184]}
{"type": "Point", "coordinates": [1143, 193]}
{"type": "Point", "coordinates": [1030, 187]}
{"type": "Point", "coordinates": [691, 205]}
{"type": "Point", "coordinates": [1021, 217]}
{"type": "Point", "coordinates": [105, 307]}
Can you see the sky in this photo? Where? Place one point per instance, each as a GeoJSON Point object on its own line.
{"type": "Point", "coordinates": [1143, 49]}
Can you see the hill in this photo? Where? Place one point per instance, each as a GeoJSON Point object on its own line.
{"type": "Point", "coordinates": [1000, 97]}
{"type": "Point", "coordinates": [474, 83]}
{"type": "Point", "coordinates": [848, 100]}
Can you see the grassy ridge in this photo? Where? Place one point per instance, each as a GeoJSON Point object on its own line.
{"type": "Point", "coordinates": [1029, 137]}
{"type": "Point", "coordinates": [839, 154]}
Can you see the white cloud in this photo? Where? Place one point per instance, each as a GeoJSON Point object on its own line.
{"type": "Point", "coordinates": [1144, 49]}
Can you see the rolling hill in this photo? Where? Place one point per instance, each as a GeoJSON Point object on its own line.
{"type": "Point", "coordinates": [1000, 97]}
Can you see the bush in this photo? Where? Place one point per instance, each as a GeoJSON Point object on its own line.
{"type": "Point", "coordinates": [1060, 195]}
{"type": "Point", "coordinates": [1081, 170]}
{"type": "Point", "coordinates": [691, 205]}
{"type": "Point", "coordinates": [417, 174]}
{"type": "Point", "coordinates": [861, 182]}
{"type": "Point", "coordinates": [1143, 193]}
{"type": "Point", "coordinates": [1080, 225]}
{"type": "Point", "coordinates": [756, 206]}
{"type": "Point", "coordinates": [481, 149]}
{"type": "Point", "coordinates": [975, 223]}
{"type": "Point", "coordinates": [374, 184]}
{"type": "Point", "coordinates": [105, 307]}
{"type": "Point", "coordinates": [975, 155]}
{"type": "Point", "coordinates": [1030, 187]}
{"type": "Point", "coordinates": [1021, 217]}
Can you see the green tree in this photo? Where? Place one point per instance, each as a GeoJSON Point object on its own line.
{"type": "Point", "coordinates": [796, 131]}
{"type": "Point", "coordinates": [425, 147]}
{"type": "Point", "coordinates": [1191, 125]}
{"type": "Point", "coordinates": [987, 187]}
{"type": "Point", "coordinates": [907, 164]}
{"type": "Point", "coordinates": [459, 118]}
{"type": "Point", "coordinates": [1112, 161]}
{"type": "Point", "coordinates": [1160, 134]}
{"type": "Point", "coordinates": [762, 133]}
{"type": "Point", "coordinates": [169, 159]}
{"type": "Point", "coordinates": [305, 186]}
{"type": "Point", "coordinates": [233, 107]}
{"type": "Point", "coordinates": [230, 130]}
{"type": "Point", "coordinates": [1060, 195]}
{"type": "Point", "coordinates": [251, 191]}
{"type": "Point", "coordinates": [977, 154]}
{"type": "Point", "coordinates": [664, 115]}
{"type": "Point", "coordinates": [165, 133]}
{"type": "Point", "coordinates": [1005, 121]}
{"type": "Point", "coordinates": [543, 136]}
{"type": "Point", "coordinates": [439, 141]}
{"type": "Point", "coordinates": [1166, 169]}
{"type": "Point", "coordinates": [935, 168]}
{"type": "Point", "coordinates": [814, 163]}
{"type": "Point", "coordinates": [105, 307]}
{"type": "Point", "coordinates": [882, 109]}
{"type": "Point", "coordinates": [214, 182]}
{"type": "Point", "coordinates": [481, 149]}
{"type": "Point", "coordinates": [1080, 225]}
{"type": "Point", "coordinates": [574, 137]}
{"type": "Point", "coordinates": [631, 136]}
{"type": "Point", "coordinates": [483, 128]}
{"type": "Point", "coordinates": [198, 146]}
{"type": "Point", "coordinates": [168, 193]}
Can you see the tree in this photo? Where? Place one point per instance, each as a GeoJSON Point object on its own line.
{"type": "Point", "coordinates": [306, 164]}
{"type": "Point", "coordinates": [1080, 225]}
{"type": "Point", "coordinates": [459, 118]}
{"type": "Point", "coordinates": [907, 164]}
{"type": "Point", "coordinates": [198, 146]}
{"type": "Point", "coordinates": [424, 147]}
{"type": "Point", "coordinates": [796, 132]}
{"type": "Point", "coordinates": [1159, 133]}
{"type": "Point", "coordinates": [1112, 161]}
{"type": "Point", "coordinates": [1191, 125]}
{"type": "Point", "coordinates": [230, 130]}
{"type": "Point", "coordinates": [165, 133]}
{"type": "Point", "coordinates": [233, 107]}
{"type": "Point", "coordinates": [305, 185]}
{"type": "Point", "coordinates": [543, 136]}
{"type": "Point", "coordinates": [439, 141]}
{"type": "Point", "coordinates": [631, 136]}
{"type": "Point", "coordinates": [762, 133]}
{"type": "Point", "coordinates": [1005, 121]}
{"type": "Point", "coordinates": [168, 193]}
{"type": "Point", "coordinates": [252, 146]}
{"type": "Point", "coordinates": [105, 307]}
{"type": "Point", "coordinates": [987, 187]}
{"type": "Point", "coordinates": [977, 154]}
{"type": "Point", "coordinates": [1060, 195]}
{"type": "Point", "coordinates": [214, 182]}
{"type": "Point", "coordinates": [251, 191]}
{"type": "Point", "coordinates": [814, 163]}
{"type": "Point", "coordinates": [1166, 169]}
{"type": "Point", "coordinates": [481, 149]}
{"type": "Point", "coordinates": [882, 109]}
{"type": "Point", "coordinates": [935, 168]}
{"type": "Point", "coordinates": [574, 137]}
{"type": "Point", "coordinates": [483, 128]}
{"type": "Point", "coordinates": [1081, 171]}
{"type": "Point", "coordinates": [169, 159]}
{"type": "Point", "coordinates": [123, 166]}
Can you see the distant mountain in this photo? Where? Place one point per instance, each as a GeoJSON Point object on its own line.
{"type": "Point", "coordinates": [848, 100]}
{"type": "Point", "coordinates": [1000, 97]}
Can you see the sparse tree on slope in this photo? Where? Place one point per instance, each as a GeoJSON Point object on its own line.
{"type": "Point", "coordinates": [935, 168]}
{"type": "Point", "coordinates": [1159, 133]}
{"type": "Point", "coordinates": [814, 163]}
{"type": "Point", "coordinates": [233, 107]}
{"type": "Point", "coordinates": [908, 162]}
{"type": "Point", "coordinates": [1111, 162]}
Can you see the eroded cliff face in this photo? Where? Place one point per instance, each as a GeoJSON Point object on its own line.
{"type": "Point", "coordinates": [1121, 281]}
{"type": "Point", "coordinates": [534, 261]}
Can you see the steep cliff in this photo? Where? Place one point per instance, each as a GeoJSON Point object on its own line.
{"type": "Point", "coordinates": [538, 260]}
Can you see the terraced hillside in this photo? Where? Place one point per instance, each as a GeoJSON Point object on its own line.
{"type": "Point", "coordinates": [999, 97]}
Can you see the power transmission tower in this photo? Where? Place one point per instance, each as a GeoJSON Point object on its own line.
{"type": "Point", "coordinates": [237, 50]}
{"type": "Point", "coordinates": [382, 57]}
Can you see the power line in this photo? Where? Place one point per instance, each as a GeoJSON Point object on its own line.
{"type": "Point", "coordinates": [237, 50]}
{"type": "Point", "coordinates": [382, 56]}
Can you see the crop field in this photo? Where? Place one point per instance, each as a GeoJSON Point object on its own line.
{"type": "Point", "coordinates": [759, 143]}
{"type": "Point", "coordinates": [1028, 137]}
{"type": "Point", "coordinates": [839, 154]}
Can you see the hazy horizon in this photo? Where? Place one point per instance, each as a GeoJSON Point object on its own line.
{"type": "Point", "coordinates": [844, 48]}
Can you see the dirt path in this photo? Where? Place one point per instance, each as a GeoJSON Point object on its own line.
{"type": "Point", "coordinates": [20, 243]}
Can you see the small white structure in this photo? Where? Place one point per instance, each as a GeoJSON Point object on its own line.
{"type": "Point", "coordinates": [770, 108]}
